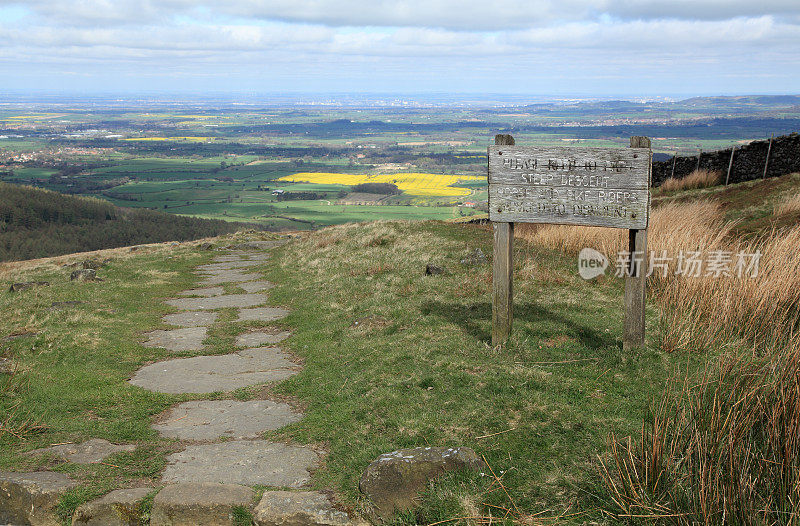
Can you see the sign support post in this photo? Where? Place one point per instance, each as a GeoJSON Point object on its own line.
{"type": "Point", "coordinates": [636, 278]}
{"type": "Point", "coordinates": [503, 271]}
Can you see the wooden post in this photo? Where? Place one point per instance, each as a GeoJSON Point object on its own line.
{"type": "Point", "coordinates": [636, 279]}
{"type": "Point", "coordinates": [766, 162]}
{"type": "Point", "coordinates": [503, 272]}
{"type": "Point", "coordinates": [674, 160]}
{"type": "Point", "coordinates": [698, 160]}
{"type": "Point", "coordinates": [730, 165]}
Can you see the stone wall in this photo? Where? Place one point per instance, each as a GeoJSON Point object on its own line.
{"type": "Point", "coordinates": [748, 161]}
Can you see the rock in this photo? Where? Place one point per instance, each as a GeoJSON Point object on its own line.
{"type": "Point", "coordinates": [218, 277]}
{"type": "Point", "coordinates": [90, 452]}
{"type": "Point", "coordinates": [206, 246]}
{"type": "Point", "coordinates": [118, 508]}
{"type": "Point", "coordinates": [16, 287]}
{"type": "Point", "coordinates": [393, 480]}
{"type": "Point", "coordinates": [86, 274]}
{"type": "Point", "coordinates": [198, 503]}
{"type": "Point", "coordinates": [300, 508]}
{"type": "Point", "coordinates": [206, 292]}
{"type": "Point", "coordinates": [93, 264]}
{"type": "Point", "coordinates": [32, 498]}
{"type": "Point", "coordinates": [475, 258]}
{"type": "Point", "coordinates": [258, 245]}
{"type": "Point", "coordinates": [250, 462]}
{"type": "Point", "coordinates": [432, 270]}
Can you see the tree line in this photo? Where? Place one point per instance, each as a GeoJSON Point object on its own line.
{"type": "Point", "coordinates": [38, 223]}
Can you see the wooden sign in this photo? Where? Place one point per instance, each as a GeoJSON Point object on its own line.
{"type": "Point", "coordinates": [570, 185]}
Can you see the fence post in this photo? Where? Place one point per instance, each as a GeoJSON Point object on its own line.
{"type": "Point", "coordinates": [636, 278]}
{"type": "Point", "coordinates": [698, 160]}
{"type": "Point", "coordinates": [766, 161]}
{"type": "Point", "coordinates": [730, 165]}
{"type": "Point", "coordinates": [503, 271]}
{"type": "Point", "coordinates": [674, 160]}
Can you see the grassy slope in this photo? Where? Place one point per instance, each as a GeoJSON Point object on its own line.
{"type": "Point", "coordinates": [393, 358]}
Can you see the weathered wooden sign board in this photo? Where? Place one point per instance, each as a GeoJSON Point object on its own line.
{"type": "Point", "coordinates": [607, 187]}
{"type": "Point", "coordinates": [570, 186]}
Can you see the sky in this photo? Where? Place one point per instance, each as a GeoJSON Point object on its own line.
{"type": "Point", "coordinates": [537, 47]}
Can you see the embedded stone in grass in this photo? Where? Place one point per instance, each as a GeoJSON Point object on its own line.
{"type": "Point", "coordinates": [262, 314]}
{"type": "Point", "coordinates": [207, 374]}
{"type": "Point", "coordinates": [90, 452]}
{"type": "Point", "coordinates": [121, 507]}
{"type": "Point", "coordinates": [255, 286]}
{"type": "Point", "coordinates": [227, 276]}
{"type": "Point", "coordinates": [300, 508]}
{"type": "Point", "coordinates": [247, 462]}
{"type": "Point", "coordinates": [86, 274]}
{"type": "Point", "coordinates": [393, 480]}
{"type": "Point", "coordinates": [256, 339]}
{"type": "Point", "coordinates": [199, 503]}
{"type": "Point", "coordinates": [259, 245]}
{"type": "Point", "coordinates": [16, 287]}
{"type": "Point", "coordinates": [191, 318]}
{"type": "Point", "coordinates": [218, 302]}
{"type": "Point", "coordinates": [211, 419]}
{"type": "Point", "coordinates": [32, 498]}
{"type": "Point", "coordinates": [205, 292]}
{"type": "Point", "coordinates": [187, 339]}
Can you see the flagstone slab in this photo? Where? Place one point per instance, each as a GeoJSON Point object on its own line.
{"type": "Point", "coordinates": [229, 265]}
{"type": "Point", "coordinates": [218, 277]}
{"type": "Point", "coordinates": [262, 314]}
{"type": "Point", "coordinates": [255, 286]}
{"type": "Point", "coordinates": [208, 374]}
{"type": "Point", "coordinates": [186, 339]}
{"type": "Point", "coordinates": [191, 318]}
{"type": "Point", "coordinates": [32, 498]}
{"type": "Point", "coordinates": [121, 507]}
{"type": "Point", "coordinates": [206, 292]}
{"type": "Point", "coordinates": [212, 419]}
{"type": "Point", "coordinates": [218, 302]}
{"type": "Point", "coordinates": [247, 462]}
{"type": "Point", "coordinates": [257, 339]}
{"type": "Point", "coordinates": [90, 452]}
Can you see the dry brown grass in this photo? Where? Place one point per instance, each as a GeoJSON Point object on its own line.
{"type": "Point", "coordinates": [705, 311]}
{"type": "Point", "coordinates": [697, 179]}
{"type": "Point", "coordinates": [788, 206]}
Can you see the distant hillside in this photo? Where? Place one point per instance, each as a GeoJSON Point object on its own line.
{"type": "Point", "coordinates": [39, 223]}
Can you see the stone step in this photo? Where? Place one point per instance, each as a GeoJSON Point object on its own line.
{"type": "Point", "coordinates": [32, 498]}
{"type": "Point", "coordinates": [177, 340]}
{"type": "Point", "coordinates": [119, 508]}
{"type": "Point", "coordinates": [194, 504]}
{"type": "Point", "coordinates": [300, 508]}
{"type": "Point", "coordinates": [218, 302]}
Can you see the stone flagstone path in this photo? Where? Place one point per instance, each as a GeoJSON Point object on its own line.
{"type": "Point", "coordinates": [223, 454]}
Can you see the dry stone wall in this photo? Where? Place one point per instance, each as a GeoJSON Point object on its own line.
{"type": "Point", "coordinates": [748, 161]}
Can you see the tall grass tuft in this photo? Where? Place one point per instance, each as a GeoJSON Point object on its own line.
{"type": "Point", "coordinates": [697, 179]}
{"type": "Point", "coordinates": [724, 450]}
{"type": "Point", "coordinates": [788, 206]}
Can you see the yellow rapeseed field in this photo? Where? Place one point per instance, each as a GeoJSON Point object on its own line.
{"type": "Point", "coordinates": [410, 183]}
